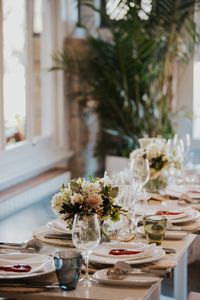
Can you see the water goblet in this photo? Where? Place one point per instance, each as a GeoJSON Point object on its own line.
{"type": "Point", "coordinates": [86, 236]}
{"type": "Point", "coordinates": [140, 170]}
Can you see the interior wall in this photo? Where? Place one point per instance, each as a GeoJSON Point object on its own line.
{"type": "Point", "coordinates": [184, 99]}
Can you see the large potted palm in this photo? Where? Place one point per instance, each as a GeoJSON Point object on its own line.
{"type": "Point", "coordinates": [129, 76]}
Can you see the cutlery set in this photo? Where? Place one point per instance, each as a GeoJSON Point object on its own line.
{"type": "Point", "coordinates": [31, 246]}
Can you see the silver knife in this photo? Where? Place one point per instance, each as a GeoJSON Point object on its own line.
{"type": "Point", "coordinates": [10, 244]}
{"type": "Point", "coordinates": [60, 236]}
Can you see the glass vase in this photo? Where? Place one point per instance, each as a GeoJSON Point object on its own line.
{"type": "Point", "coordinates": [154, 185]}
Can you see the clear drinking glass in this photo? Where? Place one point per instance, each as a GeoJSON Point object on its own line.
{"type": "Point", "coordinates": [140, 171]}
{"type": "Point", "coordinates": [86, 236]}
{"type": "Point", "coordinates": [154, 228]}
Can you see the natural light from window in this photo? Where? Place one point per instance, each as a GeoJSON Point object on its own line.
{"type": "Point", "coordinates": [14, 59]}
{"type": "Point", "coordinates": [196, 106]}
{"type": "Point", "coordinates": [118, 11]}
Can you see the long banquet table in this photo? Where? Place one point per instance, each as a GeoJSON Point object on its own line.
{"type": "Point", "coordinates": [106, 292]}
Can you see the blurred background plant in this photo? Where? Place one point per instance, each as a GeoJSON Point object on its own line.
{"type": "Point", "coordinates": [127, 76]}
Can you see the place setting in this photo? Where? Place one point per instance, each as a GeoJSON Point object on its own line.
{"type": "Point", "coordinates": [55, 232]}
{"type": "Point", "coordinates": [180, 221]}
{"type": "Point", "coordinates": [81, 237]}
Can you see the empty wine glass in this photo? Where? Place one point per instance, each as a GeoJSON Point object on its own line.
{"type": "Point", "coordinates": [86, 236]}
{"type": "Point", "coordinates": [140, 171]}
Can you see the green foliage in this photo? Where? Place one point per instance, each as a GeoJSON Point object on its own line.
{"type": "Point", "coordinates": [129, 76]}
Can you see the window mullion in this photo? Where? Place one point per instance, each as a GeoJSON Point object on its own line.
{"type": "Point", "coordinates": [29, 77]}
{"type": "Point", "coordinates": [2, 135]}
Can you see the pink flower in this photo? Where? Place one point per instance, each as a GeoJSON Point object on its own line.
{"type": "Point", "coordinates": [94, 200]}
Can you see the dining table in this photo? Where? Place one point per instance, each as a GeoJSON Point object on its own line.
{"type": "Point", "coordinates": [45, 285]}
{"type": "Point", "coordinates": [26, 289]}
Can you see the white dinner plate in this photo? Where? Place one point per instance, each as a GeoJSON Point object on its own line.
{"type": "Point", "coordinates": [40, 234]}
{"type": "Point", "coordinates": [182, 212]}
{"type": "Point", "coordinates": [141, 281]}
{"type": "Point", "coordinates": [191, 216]}
{"type": "Point", "coordinates": [158, 254]}
{"type": "Point", "coordinates": [169, 235]}
{"type": "Point", "coordinates": [40, 264]}
{"type": "Point", "coordinates": [145, 250]}
{"type": "Point", "coordinates": [174, 190]}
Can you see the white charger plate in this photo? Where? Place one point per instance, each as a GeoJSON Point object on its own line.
{"type": "Point", "coordinates": [158, 254]}
{"type": "Point", "coordinates": [136, 281]}
{"type": "Point", "coordinates": [182, 212]}
{"type": "Point", "coordinates": [191, 216]}
{"type": "Point", "coordinates": [169, 235]}
{"type": "Point", "coordinates": [146, 250]}
{"type": "Point", "coordinates": [174, 190]}
{"type": "Point", "coordinates": [40, 234]}
{"type": "Point", "coordinates": [41, 264]}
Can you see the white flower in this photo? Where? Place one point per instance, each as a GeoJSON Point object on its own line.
{"type": "Point", "coordinates": [91, 187]}
{"type": "Point", "coordinates": [66, 194]}
{"type": "Point", "coordinates": [136, 152]}
{"type": "Point", "coordinates": [57, 202]}
{"type": "Point", "coordinates": [77, 198]}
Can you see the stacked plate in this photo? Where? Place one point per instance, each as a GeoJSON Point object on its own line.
{"type": "Point", "coordinates": [132, 252]}
{"type": "Point", "coordinates": [177, 214]}
{"type": "Point", "coordinates": [23, 265]}
{"type": "Point", "coordinates": [131, 280]}
{"type": "Point", "coordinates": [54, 232]}
{"type": "Point", "coordinates": [191, 190]}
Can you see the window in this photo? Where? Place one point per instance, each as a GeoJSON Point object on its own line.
{"type": "Point", "coordinates": [196, 90]}
{"type": "Point", "coordinates": [33, 128]}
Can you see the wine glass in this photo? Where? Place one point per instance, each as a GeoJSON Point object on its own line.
{"type": "Point", "coordinates": [140, 171]}
{"type": "Point", "coordinates": [86, 236]}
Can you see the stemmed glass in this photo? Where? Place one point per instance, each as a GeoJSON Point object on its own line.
{"type": "Point", "coordinates": [140, 171]}
{"type": "Point", "coordinates": [86, 236]}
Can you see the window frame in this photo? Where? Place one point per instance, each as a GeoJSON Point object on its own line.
{"type": "Point", "coordinates": [37, 154]}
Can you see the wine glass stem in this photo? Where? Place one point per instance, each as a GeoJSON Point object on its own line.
{"type": "Point", "coordinates": [86, 265]}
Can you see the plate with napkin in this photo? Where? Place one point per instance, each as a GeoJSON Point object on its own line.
{"type": "Point", "coordinates": [110, 253]}
{"type": "Point", "coordinates": [23, 265]}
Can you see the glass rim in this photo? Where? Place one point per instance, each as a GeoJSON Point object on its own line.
{"type": "Point", "coordinates": [155, 218]}
{"type": "Point", "coordinates": [61, 254]}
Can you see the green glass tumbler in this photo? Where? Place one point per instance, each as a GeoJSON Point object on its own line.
{"type": "Point", "coordinates": [154, 228]}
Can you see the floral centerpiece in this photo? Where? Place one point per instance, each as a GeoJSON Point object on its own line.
{"type": "Point", "coordinates": [160, 158]}
{"type": "Point", "coordinates": [91, 196]}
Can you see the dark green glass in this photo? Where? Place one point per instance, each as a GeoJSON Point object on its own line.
{"type": "Point", "coordinates": [154, 228]}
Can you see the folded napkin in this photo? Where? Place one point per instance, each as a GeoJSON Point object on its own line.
{"type": "Point", "coordinates": [173, 212]}
{"type": "Point", "coordinates": [144, 251]}
{"type": "Point", "coordinates": [58, 225]}
{"type": "Point", "coordinates": [38, 263]}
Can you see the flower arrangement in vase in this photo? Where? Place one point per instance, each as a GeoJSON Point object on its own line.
{"type": "Point", "coordinates": [89, 196]}
{"type": "Point", "coordinates": [160, 158]}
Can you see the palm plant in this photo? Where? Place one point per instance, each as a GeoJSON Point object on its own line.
{"type": "Point", "coordinates": [130, 75]}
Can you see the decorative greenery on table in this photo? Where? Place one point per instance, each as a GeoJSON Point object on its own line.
{"type": "Point", "coordinates": [161, 158]}
{"type": "Point", "coordinates": [129, 76]}
{"type": "Point", "coordinates": [90, 196]}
